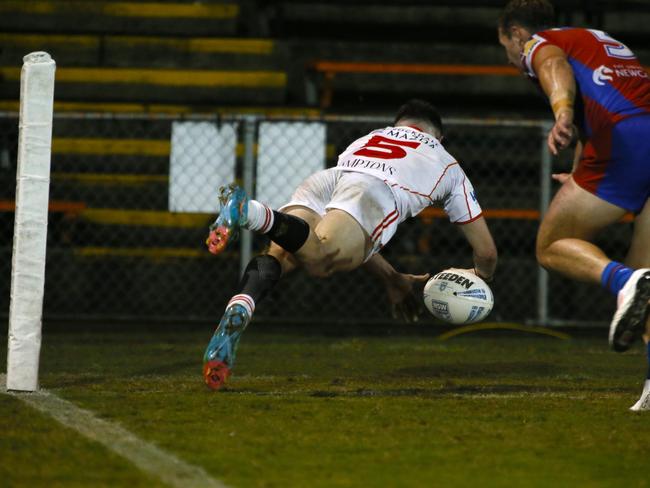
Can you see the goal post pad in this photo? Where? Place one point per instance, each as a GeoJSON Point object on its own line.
{"type": "Point", "coordinates": [30, 227]}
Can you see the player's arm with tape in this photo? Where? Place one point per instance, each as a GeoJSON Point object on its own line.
{"type": "Point", "coordinates": [556, 78]}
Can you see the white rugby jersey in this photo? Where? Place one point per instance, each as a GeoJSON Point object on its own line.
{"type": "Point", "coordinates": [418, 169]}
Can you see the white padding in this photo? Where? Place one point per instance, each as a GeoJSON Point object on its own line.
{"type": "Point", "coordinates": [288, 153]}
{"type": "Point", "coordinates": [202, 159]}
{"type": "Point", "coordinates": [30, 228]}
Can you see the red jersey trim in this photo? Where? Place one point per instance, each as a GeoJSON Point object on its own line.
{"type": "Point", "coordinates": [469, 210]}
{"type": "Point", "coordinates": [389, 219]}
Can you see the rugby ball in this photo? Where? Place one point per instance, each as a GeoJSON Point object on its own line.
{"type": "Point", "coordinates": [458, 297]}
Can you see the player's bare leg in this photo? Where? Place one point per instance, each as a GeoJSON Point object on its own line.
{"type": "Point", "coordinates": [563, 245]}
{"type": "Point", "coordinates": [288, 260]}
{"type": "Point", "coordinates": [337, 243]}
{"type": "Point", "coordinates": [638, 256]}
{"type": "Point", "coordinates": [574, 217]}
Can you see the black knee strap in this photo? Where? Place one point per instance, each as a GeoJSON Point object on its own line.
{"type": "Point", "coordinates": [288, 231]}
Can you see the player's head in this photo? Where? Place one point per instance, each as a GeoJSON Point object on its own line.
{"type": "Point", "coordinates": [421, 114]}
{"type": "Point", "coordinates": [518, 21]}
{"type": "Point", "coordinates": [533, 15]}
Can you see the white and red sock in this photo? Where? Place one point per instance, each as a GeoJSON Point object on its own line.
{"type": "Point", "coordinates": [245, 301]}
{"type": "Point", "coordinates": [287, 231]}
{"type": "Point", "coordinates": [260, 217]}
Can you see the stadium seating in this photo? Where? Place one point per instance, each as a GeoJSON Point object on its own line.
{"type": "Point", "coordinates": [148, 69]}
{"type": "Point", "coordinates": [255, 52]}
{"type": "Point", "coordinates": [120, 17]}
{"type": "Point", "coordinates": [131, 52]}
{"type": "Point", "coordinates": [452, 79]}
{"type": "Point", "coordinates": [340, 39]}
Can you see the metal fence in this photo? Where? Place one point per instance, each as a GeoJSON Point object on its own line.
{"type": "Point", "coordinates": [132, 196]}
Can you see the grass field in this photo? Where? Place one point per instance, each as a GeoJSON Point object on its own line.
{"type": "Point", "coordinates": [311, 409]}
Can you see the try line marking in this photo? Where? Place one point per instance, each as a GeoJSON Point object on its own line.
{"type": "Point", "coordinates": [149, 458]}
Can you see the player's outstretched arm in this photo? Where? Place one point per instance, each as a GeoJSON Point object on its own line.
{"type": "Point", "coordinates": [485, 251]}
{"type": "Point", "coordinates": [558, 82]}
{"type": "Point", "coordinates": [399, 288]}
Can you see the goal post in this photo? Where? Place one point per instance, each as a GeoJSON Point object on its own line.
{"type": "Point", "coordinates": [30, 226]}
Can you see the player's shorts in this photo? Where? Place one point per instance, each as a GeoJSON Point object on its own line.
{"type": "Point", "coordinates": [367, 199]}
{"type": "Point", "coordinates": [615, 164]}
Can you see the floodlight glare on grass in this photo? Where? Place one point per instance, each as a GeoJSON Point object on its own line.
{"type": "Point", "coordinates": [30, 227]}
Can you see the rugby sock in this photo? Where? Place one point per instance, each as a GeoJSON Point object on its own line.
{"type": "Point", "coordinates": [260, 217]}
{"type": "Point", "coordinates": [260, 276]}
{"type": "Point", "coordinates": [287, 231]}
{"type": "Point", "coordinates": [648, 374]}
{"type": "Point", "coordinates": [615, 276]}
{"type": "Point", "coordinates": [245, 301]}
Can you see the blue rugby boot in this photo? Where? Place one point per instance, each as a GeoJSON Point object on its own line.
{"type": "Point", "coordinates": [232, 215]}
{"type": "Point", "coordinates": [219, 357]}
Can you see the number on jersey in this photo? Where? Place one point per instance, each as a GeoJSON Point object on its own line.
{"type": "Point", "coordinates": [613, 48]}
{"type": "Point", "coordinates": [384, 148]}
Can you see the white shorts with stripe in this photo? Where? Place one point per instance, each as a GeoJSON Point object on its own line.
{"type": "Point", "coordinates": [366, 198]}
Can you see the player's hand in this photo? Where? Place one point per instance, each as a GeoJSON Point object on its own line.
{"type": "Point", "coordinates": [406, 306]}
{"type": "Point", "coordinates": [561, 177]}
{"type": "Point", "coordinates": [474, 272]}
{"type": "Point", "coordinates": [562, 134]}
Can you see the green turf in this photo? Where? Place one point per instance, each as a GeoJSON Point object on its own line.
{"type": "Point", "coordinates": [35, 451]}
{"type": "Point", "coordinates": [304, 409]}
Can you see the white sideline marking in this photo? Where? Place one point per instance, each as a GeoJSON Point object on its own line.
{"type": "Point", "coordinates": [149, 458]}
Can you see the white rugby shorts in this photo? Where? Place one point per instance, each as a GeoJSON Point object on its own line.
{"type": "Point", "coordinates": [366, 198]}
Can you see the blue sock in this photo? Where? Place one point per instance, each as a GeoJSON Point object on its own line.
{"type": "Point", "coordinates": [615, 276]}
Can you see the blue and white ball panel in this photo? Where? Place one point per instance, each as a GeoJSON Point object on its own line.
{"type": "Point", "coordinates": [458, 297]}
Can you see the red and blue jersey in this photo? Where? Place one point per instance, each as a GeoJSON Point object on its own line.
{"type": "Point", "coordinates": [611, 83]}
{"type": "Point", "coordinates": [613, 109]}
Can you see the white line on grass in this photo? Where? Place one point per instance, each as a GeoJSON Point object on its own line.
{"type": "Point", "coordinates": [149, 458]}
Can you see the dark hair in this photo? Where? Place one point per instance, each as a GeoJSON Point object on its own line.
{"type": "Point", "coordinates": [416, 109]}
{"type": "Point", "coordinates": [534, 15]}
